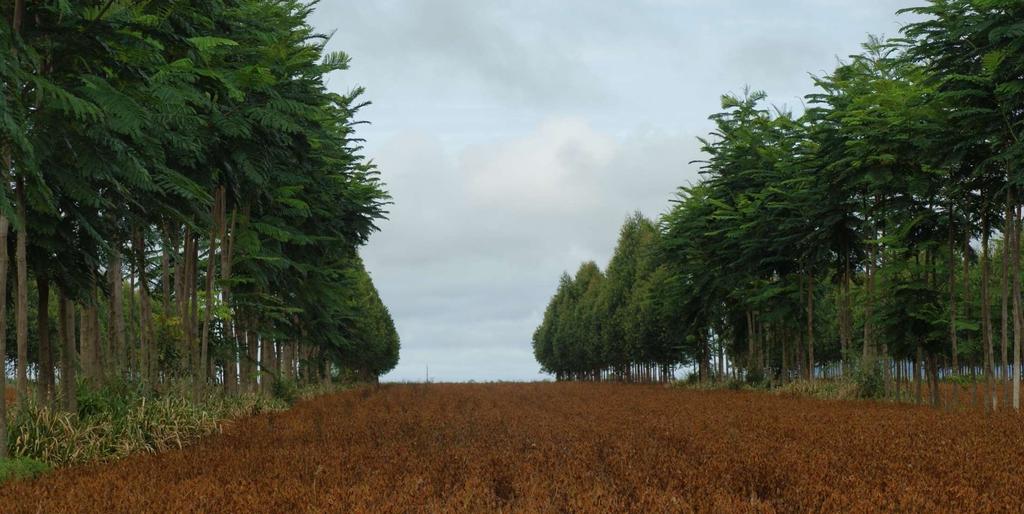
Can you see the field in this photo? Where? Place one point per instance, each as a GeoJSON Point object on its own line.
{"type": "Point", "coordinates": [563, 448]}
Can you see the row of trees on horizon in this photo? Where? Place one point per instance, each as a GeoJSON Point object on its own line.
{"type": "Point", "coordinates": [877, 231]}
{"type": "Point", "coordinates": [183, 199]}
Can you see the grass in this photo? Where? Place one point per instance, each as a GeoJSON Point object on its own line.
{"type": "Point", "coordinates": [122, 418]}
{"type": "Point", "coordinates": [21, 468]}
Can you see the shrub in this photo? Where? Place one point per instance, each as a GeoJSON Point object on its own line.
{"type": "Point", "coordinates": [870, 380]}
{"type": "Point", "coordinates": [16, 469]}
{"type": "Point", "coordinates": [820, 389]}
{"type": "Point", "coordinates": [285, 390]}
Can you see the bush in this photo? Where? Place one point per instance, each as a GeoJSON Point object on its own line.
{"type": "Point", "coordinates": [285, 390]}
{"type": "Point", "coordinates": [821, 389]}
{"type": "Point", "coordinates": [736, 385]}
{"type": "Point", "coordinates": [870, 380]}
{"type": "Point", "coordinates": [151, 425]}
{"type": "Point", "coordinates": [123, 417]}
{"type": "Point", "coordinates": [20, 468]}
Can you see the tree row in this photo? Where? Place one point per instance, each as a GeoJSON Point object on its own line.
{"type": "Point", "coordinates": [876, 232]}
{"type": "Point", "coordinates": [183, 199]}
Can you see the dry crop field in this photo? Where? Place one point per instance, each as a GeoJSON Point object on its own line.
{"type": "Point", "coordinates": [563, 448]}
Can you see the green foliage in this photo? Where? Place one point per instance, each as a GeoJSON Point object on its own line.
{"type": "Point", "coordinates": [870, 379]}
{"type": "Point", "coordinates": [608, 321]}
{"type": "Point", "coordinates": [285, 390]}
{"type": "Point", "coordinates": [120, 419]}
{"type": "Point", "coordinates": [21, 468]}
{"type": "Point", "coordinates": [847, 231]}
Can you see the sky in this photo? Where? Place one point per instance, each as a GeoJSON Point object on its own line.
{"type": "Point", "coordinates": [516, 136]}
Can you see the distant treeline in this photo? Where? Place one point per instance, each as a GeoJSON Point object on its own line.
{"type": "Point", "coordinates": [878, 231]}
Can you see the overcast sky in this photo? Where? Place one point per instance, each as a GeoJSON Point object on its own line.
{"type": "Point", "coordinates": [516, 136]}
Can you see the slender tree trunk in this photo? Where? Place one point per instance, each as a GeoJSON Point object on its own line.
{"type": "Point", "coordinates": [917, 375]}
{"type": "Point", "coordinates": [986, 314]}
{"type": "Point", "coordinates": [133, 339]}
{"type": "Point", "coordinates": [198, 369]}
{"type": "Point", "coordinates": [86, 353]}
{"type": "Point", "coordinates": [21, 304]}
{"type": "Point", "coordinates": [4, 267]}
{"type": "Point", "coordinates": [226, 257]}
{"type": "Point", "coordinates": [952, 297]}
{"type": "Point", "coordinates": [46, 378]}
{"type": "Point", "coordinates": [117, 312]}
{"type": "Point", "coordinates": [932, 366]}
{"type": "Point", "coordinates": [869, 301]}
{"type": "Point", "coordinates": [967, 304]}
{"type": "Point", "coordinates": [266, 355]}
{"type": "Point", "coordinates": [215, 230]}
{"type": "Point", "coordinates": [165, 276]}
{"type": "Point", "coordinates": [187, 282]}
{"type": "Point", "coordinates": [810, 326]}
{"type": "Point", "coordinates": [1017, 321]}
{"type": "Point", "coordinates": [1005, 286]}
{"type": "Point", "coordinates": [69, 355]}
{"type": "Point", "coordinates": [94, 337]}
{"type": "Point", "coordinates": [147, 355]}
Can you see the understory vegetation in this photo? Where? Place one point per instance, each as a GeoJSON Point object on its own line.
{"type": "Point", "coordinates": [184, 201]}
{"type": "Point", "coordinates": [872, 237]}
{"type": "Point", "coordinates": [122, 418]}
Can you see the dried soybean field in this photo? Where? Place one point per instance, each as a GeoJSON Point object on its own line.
{"type": "Point", "coordinates": [563, 448]}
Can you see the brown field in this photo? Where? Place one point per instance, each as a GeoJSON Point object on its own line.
{"type": "Point", "coordinates": [564, 448]}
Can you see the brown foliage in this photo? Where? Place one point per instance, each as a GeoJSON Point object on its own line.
{"type": "Point", "coordinates": [567, 448]}
{"type": "Point", "coordinates": [10, 395]}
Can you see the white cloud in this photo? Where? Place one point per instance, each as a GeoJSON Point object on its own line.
{"type": "Point", "coordinates": [516, 136]}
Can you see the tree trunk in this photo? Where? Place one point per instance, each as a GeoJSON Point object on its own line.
{"type": "Point", "coordinates": [87, 354]}
{"type": "Point", "coordinates": [94, 334]}
{"type": "Point", "coordinates": [810, 326]}
{"type": "Point", "coordinates": [952, 297]}
{"type": "Point", "coordinates": [215, 230]}
{"type": "Point", "coordinates": [21, 303]}
{"type": "Point", "coordinates": [917, 375]}
{"type": "Point", "coordinates": [869, 304]}
{"type": "Point", "coordinates": [986, 315]}
{"type": "Point", "coordinates": [1005, 286]}
{"type": "Point", "coordinates": [68, 356]}
{"type": "Point", "coordinates": [147, 355]}
{"type": "Point", "coordinates": [1017, 321]}
{"type": "Point", "coordinates": [932, 366]}
{"type": "Point", "coordinates": [165, 277]}
{"type": "Point", "coordinates": [117, 342]}
{"type": "Point", "coordinates": [46, 378]}
{"type": "Point", "coordinates": [266, 355]}
{"type": "Point", "coordinates": [4, 267]}
{"type": "Point", "coordinates": [966, 291]}
{"type": "Point", "coordinates": [198, 369]}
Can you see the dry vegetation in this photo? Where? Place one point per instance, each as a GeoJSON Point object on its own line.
{"type": "Point", "coordinates": [563, 447]}
{"type": "Point", "coordinates": [9, 395]}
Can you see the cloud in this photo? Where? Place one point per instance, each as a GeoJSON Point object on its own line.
{"type": "Point", "coordinates": [478, 239]}
{"type": "Point", "coordinates": [516, 136]}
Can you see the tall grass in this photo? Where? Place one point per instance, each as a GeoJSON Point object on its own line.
{"type": "Point", "coordinates": [122, 418]}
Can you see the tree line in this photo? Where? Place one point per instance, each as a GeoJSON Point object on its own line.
{"type": "Point", "coordinates": [876, 232]}
{"type": "Point", "coordinates": [184, 200]}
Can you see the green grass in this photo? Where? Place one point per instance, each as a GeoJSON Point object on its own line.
{"type": "Point", "coordinates": [122, 418]}
{"type": "Point", "coordinates": [21, 468]}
